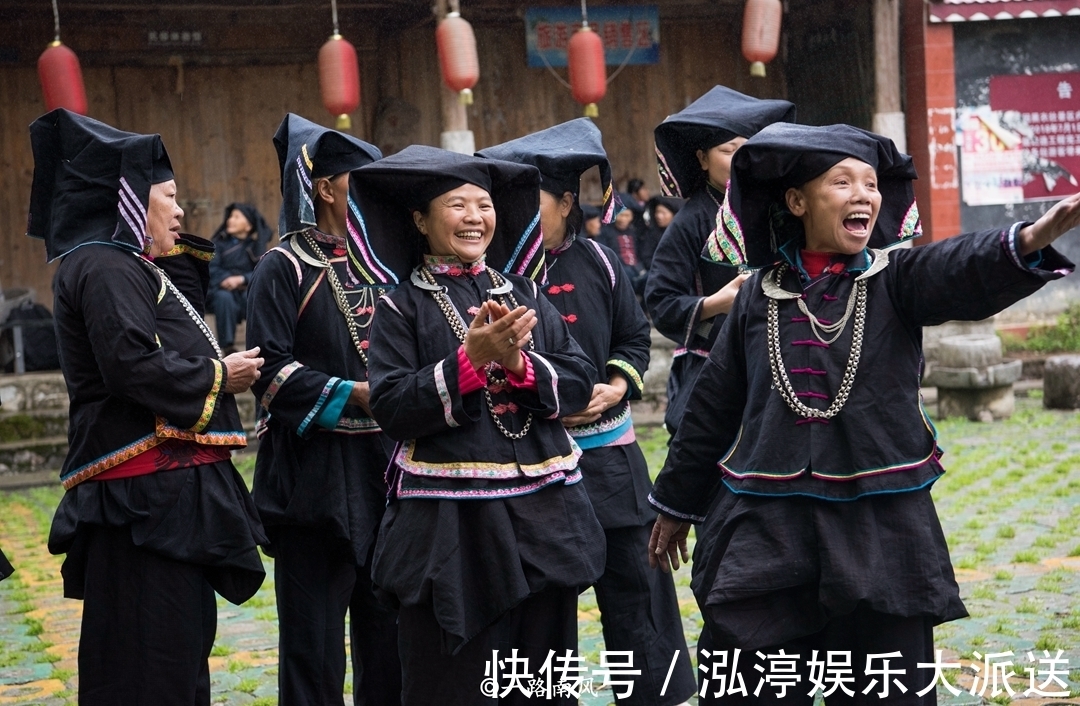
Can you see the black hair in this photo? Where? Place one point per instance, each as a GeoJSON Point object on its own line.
{"type": "Point", "coordinates": [634, 185]}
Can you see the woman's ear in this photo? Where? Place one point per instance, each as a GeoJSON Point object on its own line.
{"type": "Point", "coordinates": [566, 204]}
{"type": "Point", "coordinates": [796, 202]}
{"type": "Point", "coordinates": [418, 221]}
{"type": "Point", "coordinates": [703, 160]}
{"type": "Point", "coordinates": [324, 189]}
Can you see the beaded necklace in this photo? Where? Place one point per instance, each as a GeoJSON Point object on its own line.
{"type": "Point", "coordinates": [454, 318]}
{"type": "Point", "coordinates": [367, 298]}
{"type": "Point", "coordinates": [194, 315]}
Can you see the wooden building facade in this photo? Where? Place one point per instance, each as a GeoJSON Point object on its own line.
{"type": "Point", "coordinates": [218, 100]}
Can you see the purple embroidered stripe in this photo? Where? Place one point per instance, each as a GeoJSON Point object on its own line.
{"type": "Point", "coordinates": [812, 395]}
{"type": "Point", "coordinates": [811, 420]}
{"type": "Point", "coordinates": [807, 371]}
{"type": "Point", "coordinates": [818, 344]}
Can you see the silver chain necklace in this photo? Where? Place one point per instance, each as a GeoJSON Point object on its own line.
{"type": "Point", "coordinates": [342, 301]}
{"type": "Point", "coordinates": [199, 320]}
{"type": "Point", "coordinates": [782, 382]}
{"type": "Point", "coordinates": [454, 318]}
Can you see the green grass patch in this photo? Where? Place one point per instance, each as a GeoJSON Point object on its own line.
{"type": "Point", "coordinates": [247, 686]}
{"type": "Point", "coordinates": [1026, 556]}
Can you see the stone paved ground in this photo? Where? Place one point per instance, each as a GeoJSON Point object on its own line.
{"type": "Point", "coordinates": [1010, 505]}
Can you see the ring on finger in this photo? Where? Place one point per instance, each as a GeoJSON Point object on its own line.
{"type": "Point", "coordinates": [512, 342]}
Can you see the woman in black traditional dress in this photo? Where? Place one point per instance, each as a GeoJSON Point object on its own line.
{"type": "Point", "coordinates": [489, 535]}
{"type": "Point", "coordinates": [638, 607]}
{"type": "Point", "coordinates": [805, 454]}
{"type": "Point", "coordinates": [239, 242]}
{"type": "Point", "coordinates": [687, 297]}
{"type": "Point", "coordinates": [319, 475]}
{"type": "Point", "coordinates": [155, 518]}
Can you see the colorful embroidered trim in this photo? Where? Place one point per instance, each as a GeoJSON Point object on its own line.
{"type": "Point", "coordinates": [433, 494]}
{"type": "Point", "coordinates": [133, 212]}
{"type": "Point", "coordinates": [554, 382]}
{"type": "Point", "coordinates": [453, 266]}
{"type": "Point", "coordinates": [692, 321]}
{"type": "Point", "coordinates": [164, 430]}
{"type": "Point", "coordinates": [185, 249]}
{"type": "Point", "coordinates": [911, 226]}
{"type": "Point", "coordinates": [279, 380]}
{"type": "Point", "coordinates": [679, 352]}
{"type": "Point", "coordinates": [335, 241]}
{"type": "Point", "coordinates": [908, 465]}
{"type": "Point", "coordinates": [405, 460]}
{"type": "Point", "coordinates": [726, 244]}
{"type": "Point", "coordinates": [293, 260]}
{"type": "Point", "coordinates": [603, 259]}
{"type": "Point", "coordinates": [564, 245]}
{"type": "Point", "coordinates": [318, 405]}
{"type": "Point", "coordinates": [444, 396]}
{"type": "Point", "coordinates": [211, 399]}
{"type": "Point", "coordinates": [73, 478]}
{"type": "Point", "coordinates": [630, 372]}
{"type": "Point", "coordinates": [355, 425]}
{"type": "Point", "coordinates": [310, 293]}
{"type": "Point", "coordinates": [520, 268]}
{"type": "Point", "coordinates": [674, 513]}
{"type": "Point", "coordinates": [602, 426]}
{"type": "Point", "coordinates": [363, 244]}
{"type": "Point", "coordinates": [668, 183]}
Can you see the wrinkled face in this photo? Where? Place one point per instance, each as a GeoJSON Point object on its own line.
{"type": "Point", "coordinates": [554, 211]}
{"type": "Point", "coordinates": [624, 219]}
{"type": "Point", "coordinates": [839, 208]}
{"type": "Point", "coordinates": [717, 161]}
{"type": "Point", "coordinates": [163, 218]}
{"type": "Point", "coordinates": [237, 225]}
{"type": "Point", "coordinates": [460, 222]}
{"type": "Point", "coordinates": [662, 216]}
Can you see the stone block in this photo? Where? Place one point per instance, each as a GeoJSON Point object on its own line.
{"type": "Point", "coordinates": [977, 404]}
{"type": "Point", "coordinates": [1061, 382]}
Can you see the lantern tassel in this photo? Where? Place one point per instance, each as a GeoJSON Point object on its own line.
{"type": "Point", "coordinates": [344, 122]}
{"type": "Point", "coordinates": [757, 69]}
{"type": "Point", "coordinates": [466, 97]}
{"type": "Point", "coordinates": [591, 111]}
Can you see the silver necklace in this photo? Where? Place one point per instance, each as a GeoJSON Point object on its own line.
{"type": "Point", "coordinates": [199, 321]}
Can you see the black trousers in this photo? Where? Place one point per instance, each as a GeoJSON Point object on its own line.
{"type": "Point", "coordinates": [148, 625]}
{"type": "Point", "coordinates": [544, 621]}
{"type": "Point", "coordinates": [851, 638]}
{"type": "Point", "coordinates": [316, 582]}
{"type": "Point", "coordinates": [639, 611]}
{"type": "Point", "coordinates": [228, 308]}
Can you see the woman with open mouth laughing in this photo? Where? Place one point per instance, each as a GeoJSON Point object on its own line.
{"type": "Point", "coordinates": [805, 455]}
{"type": "Point", "coordinates": [489, 535]}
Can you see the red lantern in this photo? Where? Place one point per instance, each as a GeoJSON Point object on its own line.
{"type": "Point", "coordinates": [761, 33]}
{"type": "Point", "coordinates": [588, 74]}
{"type": "Point", "coordinates": [457, 55]}
{"type": "Point", "coordinates": [61, 79]}
{"type": "Point", "coordinates": [339, 79]}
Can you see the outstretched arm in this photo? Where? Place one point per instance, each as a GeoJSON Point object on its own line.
{"type": "Point", "coordinates": [1063, 217]}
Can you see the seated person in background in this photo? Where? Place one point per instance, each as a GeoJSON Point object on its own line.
{"type": "Point", "coordinates": [239, 242]}
{"type": "Point", "coordinates": [620, 237]}
{"type": "Point", "coordinates": [591, 222]}
{"type": "Point", "coordinates": [637, 200]}
{"type": "Point", "coordinates": [660, 211]}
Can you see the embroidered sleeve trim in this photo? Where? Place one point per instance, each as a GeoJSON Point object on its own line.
{"type": "Point", "coordinates": [185, 249]}
{"type": "Point", "coordinates": [554, 382]}
{"type": "Point", "coordinates": [211, 399]}
{"type": "Point", "coordinates": [444, 396]}
{"type": "Point", "coordinates": [323, 396]}
{"type": "Point", "coordinates": [692, 322]}
{"type": "Point", "coordinates": [277, 382]}
{"type": "Point", "coordinates": [674, 513]}
{"type": "Point", "coordinates": [631, 373]}
{"type": "Point", "coordinates": [1008, 241]}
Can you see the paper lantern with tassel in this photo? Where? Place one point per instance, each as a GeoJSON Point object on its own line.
{"type": "Point", "coordinates": [588, 74]}
{"type": "Point", "coordinates": [61, 79]}
{"type": "Point", "coordinates": [457, 55]}
{"type": "Point", "coordinates": [339, 79]}
{"type": "Point", "coordinates": [761, 33]}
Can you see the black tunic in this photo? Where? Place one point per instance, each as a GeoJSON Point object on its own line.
{"type": "Point", "coordinates": [679, 280]}
{"type": "Point", "coordinates": [321, 460]}
{"type": "Point", "coordinates": [477, 521]}
{"type": "Point", "coordinates": [139, 371]}
{"type": "Point", "coordinates": [765, 481]}
{"type": "Point", "coordinates": [233, 257]}
{"type": "Point", "coordinates": [587, 285]}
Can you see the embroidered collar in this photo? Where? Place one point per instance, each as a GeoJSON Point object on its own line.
{"type": "Point", "coordinates": [453, 266]}
{"type": "Point", "coordinates": [791, 252]}
{"type": "Point", "coordinates": [564, 245]}
{"type": "Point", "coordinates": [327, 239]}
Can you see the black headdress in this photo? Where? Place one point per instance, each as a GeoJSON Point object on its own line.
{"type": "Point", "coordinates": [388, 191]}
{"type": "Point", "coordinates": [669, 202]}
{"type": "Point", "coordinates": [754, 222]}
{"type": "Point", "coordinates": [717, 117]}
{"type": "Point", "coordinates": [306, 152]}
{"type": "Point", "coordinates": [258, 224]}
{"type": "Point", "coordinates": [91, 183]}
{"type": "Point", "coordinates": [562, 153]}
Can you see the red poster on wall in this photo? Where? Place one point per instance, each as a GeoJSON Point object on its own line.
{"type": "Point", "coordinates": [1043, 110]}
